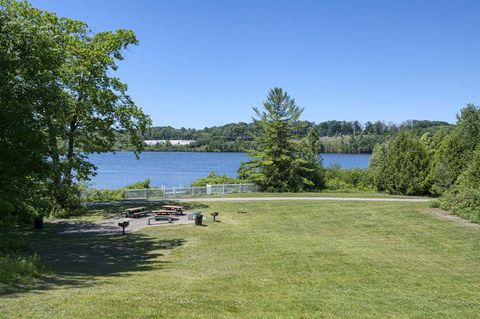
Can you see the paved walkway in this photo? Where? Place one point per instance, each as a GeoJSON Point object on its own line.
{"type": "Point", "coordinates": [110, 226]}
{"type": "Point", "coordinates": [357, 199]}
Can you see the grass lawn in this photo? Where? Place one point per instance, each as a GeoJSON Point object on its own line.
{"type": "Point", "coordinates": [279, 260]}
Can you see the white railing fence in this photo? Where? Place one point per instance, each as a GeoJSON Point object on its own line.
{"type": "Point", "coordinates": [181, 192]}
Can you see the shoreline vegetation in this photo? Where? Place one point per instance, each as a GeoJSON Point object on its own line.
{"type": "Point", "coordinates": [336, 137]}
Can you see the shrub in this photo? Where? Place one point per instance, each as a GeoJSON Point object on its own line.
{"type": "Point", "coordinates": [402, 166]}
{"type": "Point", "coordinates": [213, 178]}
{"type": "Point", "coordinates": [341, 179]}
{"type": "Point", "coordinates": [464, 202]}
{"type": "Point", "coordinates": [94, 194]}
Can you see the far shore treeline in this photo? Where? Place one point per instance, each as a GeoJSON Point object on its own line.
{"type": "Point", "coordinates": [350, 137]}
{"type": "Point", "coordinates": [61, 101]}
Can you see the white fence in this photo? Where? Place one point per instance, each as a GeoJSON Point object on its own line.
{"type": "Point", "coordinates": [181, 192]}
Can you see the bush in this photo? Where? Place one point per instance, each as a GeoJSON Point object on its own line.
{"type": "Point", "coordinates": [402, 166]}
{"type": "Point", "coordinates": [464, 202]}
{"type": "Point", "coordinates": [214, 179]}
{"type": "Point", "coordinates": [347, 180]}
{"type": "Point", "coordinates": [94, 194]}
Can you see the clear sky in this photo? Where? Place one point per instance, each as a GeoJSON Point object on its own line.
{"type": "Point", "coordinates": [203, 63]}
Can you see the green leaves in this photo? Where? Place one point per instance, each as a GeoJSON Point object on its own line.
{"type": "Point", "coordinates": [59, 101]}
{"type": "Point", "coordinates": [457, 149]}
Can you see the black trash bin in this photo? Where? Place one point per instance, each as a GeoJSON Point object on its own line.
{"type": "Point", "coordinates": [38, 222]}
{"type": "Point", "coordinates": [198, 219]}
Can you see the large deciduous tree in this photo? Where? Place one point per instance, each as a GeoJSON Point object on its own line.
{"type": "Point", "coordinates": [30, 61]}
{"type": "Point", "coordinates": [95, 107]}
{"type": "Point", "coordinates": [279, 162]}
{"type": "Point", "coordinates": [59, 102]}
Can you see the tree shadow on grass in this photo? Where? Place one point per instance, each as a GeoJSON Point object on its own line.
{"type": "Point", "coordinates": [77, 260]}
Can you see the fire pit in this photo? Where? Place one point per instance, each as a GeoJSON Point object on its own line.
{"type": "Point", "coordinates": [124, 225]}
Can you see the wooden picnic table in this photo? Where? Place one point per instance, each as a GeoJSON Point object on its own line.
{"type": "Point", "coordinates": [173, 207]}
{"type": "Point", "coordinates": [163, 212]}
{"type": "Point", "coordinates": [136, 212]}
{"type": "Point", "coordinates": [135, 209]}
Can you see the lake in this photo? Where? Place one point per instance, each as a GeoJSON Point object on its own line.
{"type": "Point", "coordinates": [171, 169]}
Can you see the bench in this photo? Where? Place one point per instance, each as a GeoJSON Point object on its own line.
{"type": "Point", "coordinates": [160, 218]}
{"type": "Point", "coordinates": [136, 212]}
{"type": "Point", "coordinates": [163, 212]}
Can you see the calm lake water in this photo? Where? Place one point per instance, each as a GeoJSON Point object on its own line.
{"type": "Point", "coordinates": [170, 169]}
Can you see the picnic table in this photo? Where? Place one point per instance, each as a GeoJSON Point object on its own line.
{"type": "Point", "coordinates": [173, 208]}
{"type": "Point", "coordinates": [136, 212]}
{"type": "Point", "coordinates": [163, 212]}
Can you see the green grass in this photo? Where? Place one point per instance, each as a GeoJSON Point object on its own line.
{"type": "Point", "coordinates": [279, 260]}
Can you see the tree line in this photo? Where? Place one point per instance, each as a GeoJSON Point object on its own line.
{"type": "Point", "coordinates": [444, 163]}
{"type": "Point", "coordinates": [335, 136]}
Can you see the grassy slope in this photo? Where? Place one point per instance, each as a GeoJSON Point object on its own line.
{"type": "Point", "coordinates": [281, 259]}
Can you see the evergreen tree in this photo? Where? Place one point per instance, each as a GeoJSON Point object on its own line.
{"type": "Point", "coordinates": [378, 162]}
{"type": "Point", "coordinates": [457, 150]}
{"type": "Point", "coordinates": [402, 167]}
{"type": "Point", "coordinates": [470, 178]}
{"type": "Point", "coordinates": [279, 163]}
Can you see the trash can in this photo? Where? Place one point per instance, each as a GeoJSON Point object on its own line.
{"type": "Point", "coordinates": [38, 222]}
{"type": "Point", "coordinates": [198, 219]}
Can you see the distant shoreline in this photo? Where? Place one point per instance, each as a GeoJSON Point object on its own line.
{"type": "Point", "coordinates": [203, 151]}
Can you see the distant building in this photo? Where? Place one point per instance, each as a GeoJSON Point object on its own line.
{"type": "Point", "coordinates": [173, 142]}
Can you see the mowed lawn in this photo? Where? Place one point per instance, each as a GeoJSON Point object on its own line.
{"type": "Point", "coordinates": [285, 259]}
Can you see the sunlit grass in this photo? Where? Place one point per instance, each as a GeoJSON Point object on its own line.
{"type": "Point", "coordinates": [275, 260]}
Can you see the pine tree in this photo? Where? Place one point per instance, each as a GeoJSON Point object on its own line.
{"type": "Point", "coordinates": [279, 162]}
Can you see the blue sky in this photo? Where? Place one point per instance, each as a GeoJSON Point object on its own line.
{"type": "Point", "coordinates": [203, 63]}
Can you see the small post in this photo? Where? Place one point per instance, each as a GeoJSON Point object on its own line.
{"type": "Point", "coordinates": [223, 189]}
{"type": "Point", "coordinates": [145, 193]}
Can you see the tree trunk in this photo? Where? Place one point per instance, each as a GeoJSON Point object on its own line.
{"type": "Point", "coordinates": [69, 166]}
